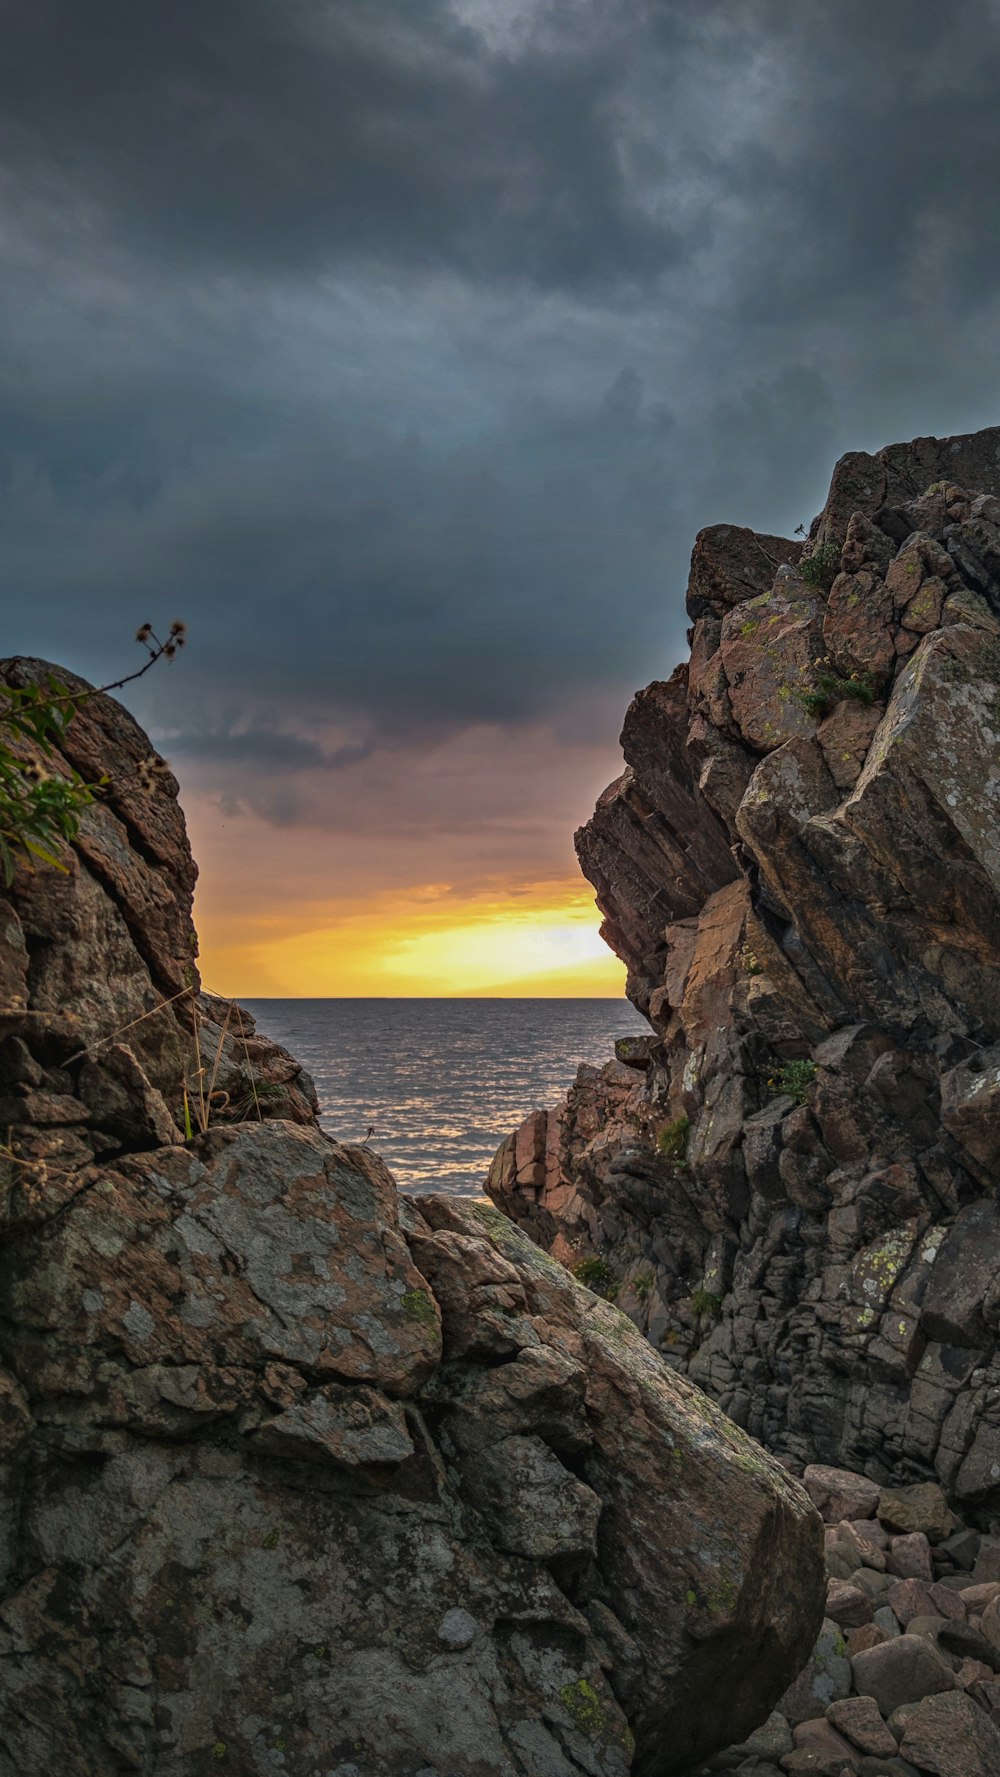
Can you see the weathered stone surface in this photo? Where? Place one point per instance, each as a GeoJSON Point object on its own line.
{"type": "Point", "coordinates": [204, 1328]}
{"type": "Point", "coordinates": [858, 1718]}
{"type": "Point", "coordinates": [847, 1605]}
{"type": "Point", "coordinates": [111, 1028]}
{"type": "Point", "coordinates": [730, 564]}
{"type": "Point", "coordinates": [838, 1494]}
{"type": "Point", "coordinates": [970, 1105]}
{"type": "Point", "coordinates": [820, 1251]}
{"type": "Point", "coordinates": [825, 1677]}
{"type": "Point", "coordinates": [910, 1557]}
{"type": "Point", "coordinates": [922, 1509]}
{"type": "Point", "coordinates": [951, 1737]}
{"type": "Point", "coordinates": [820, 1748]}
{"type": "Point", "coordinates": [903, 1670]}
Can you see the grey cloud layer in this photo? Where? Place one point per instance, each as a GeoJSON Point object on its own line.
{"type": "Point", "coordinates": [401, 350]}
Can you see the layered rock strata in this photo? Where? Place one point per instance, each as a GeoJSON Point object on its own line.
{"type": "Point", "coordinates": [297, 1475]}
{"type": "Point", "coordinates": [791, 1184]}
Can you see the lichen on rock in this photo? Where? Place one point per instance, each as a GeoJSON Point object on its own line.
{"type": "Point", "coordinates": [852, 923]}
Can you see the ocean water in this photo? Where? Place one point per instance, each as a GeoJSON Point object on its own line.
{"type": "Point", "coordinates": [442, 1081]}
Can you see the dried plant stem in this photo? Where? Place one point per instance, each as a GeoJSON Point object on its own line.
{"type": "Point", "coordinates": [120, 1030]}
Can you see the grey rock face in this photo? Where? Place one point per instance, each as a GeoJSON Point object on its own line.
{"type": "Point", "coordinates": [264, 1501]}
{"type": "Point", "coordinates": [795, 1194]}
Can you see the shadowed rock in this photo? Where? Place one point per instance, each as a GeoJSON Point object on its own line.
{"type": "Point", "coordinates": [795, 1197]}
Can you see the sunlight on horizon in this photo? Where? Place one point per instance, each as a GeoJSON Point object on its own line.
{"type": "Point", "coordinates": [534, 943]}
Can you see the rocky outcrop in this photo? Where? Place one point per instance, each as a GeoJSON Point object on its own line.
{"type": "Point", "coordinates": [791, 1185]}
{"type": "Point", "coordinates": [297, 1474]}
{"type": "Point", "coordinates": [103, 1023]}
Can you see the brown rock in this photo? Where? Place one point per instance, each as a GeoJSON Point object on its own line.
{"type": "Point", "coordinates": [819, 1747]}
{"type": "Point", "coordinates": [987, 1568]}
{"type": "Point", "coordinates": [244, 1337]}
{"type": "Point", "coordinates": [847, 1328]}
{"type": "Point", "coordinates": [769, 645]}
{"type": "Point", "coordinates": [970, 1105]}
{"type": "Point", "coordinates": [869, 1635]}
{"type": "Point", "coordinates": [909, 1599]}
{"type": "Point", "coordinates": [847, 1605]}
{"type": "Point", "coordinates": [947, 1602]}
{"type": "Point", "coordinates": [838, 1493]}
{"type": "Point", "coordinates": [910, 1557]}
{"type": "Point", "coordinates": [950, 1737]}
{"type": "Point", "coordinates": [730, 564]}
{"type": "Point", "coordinates": [857, 626]}
{"type": "Point", "coordinates": [902, 1670]}
{"type": "Point", "coordinates": [977, 1597]}
{"type": "Point", "coordinates": [920, 1508]}
{"type": "Point", "coordinates": [845, 736]}
{"type": "Point", "coordinates": [858, 1718]}
{"type": "Point", "coordinates": [989, 1622]}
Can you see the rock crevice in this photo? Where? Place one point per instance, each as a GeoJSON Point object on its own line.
{"type": "Point", "coordinates": [298, 1475]}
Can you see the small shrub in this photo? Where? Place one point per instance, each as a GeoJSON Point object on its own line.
{"type": "Point", "coordinates": [706, 1302]}
{"type": "Point", "coordinates": [672, 1140]}
{"type": "Point", "coordinates": [41, 810]}
{"type": "Point", "coordinates": [814, 704]}
{"type": "Point", "coordinates": [829, 688]}
{"type": "Point", "coordinates": [795, 1079]}
{"type": "Point", "coordinates": [748, 962]}
{"type": "Point", "coordinates": [822, 566]}
{"type": "Point", "coordinates": [595, 1273]}
{"type": "Point", "coordinates": [643, 1286]}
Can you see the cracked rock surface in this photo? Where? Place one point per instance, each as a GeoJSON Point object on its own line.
{"type": "Point", "coordinates": [791, 1184]}
{"type": "Point", "coordinates": [299, 1476]}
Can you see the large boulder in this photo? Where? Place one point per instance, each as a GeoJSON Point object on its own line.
{"type": "Point", "coordinates": [299, 1475]}
{"type": "Point", "coordinates": [795, 1194]}
{"type": "Point", "coordinates": [295, 1465]}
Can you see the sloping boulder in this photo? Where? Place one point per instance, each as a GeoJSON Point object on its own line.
{"type": "Point", "coordinates": [300, 1467]}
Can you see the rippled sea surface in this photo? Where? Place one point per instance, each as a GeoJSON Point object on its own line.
{"type": "Point", "coordinates": [443, 1081]}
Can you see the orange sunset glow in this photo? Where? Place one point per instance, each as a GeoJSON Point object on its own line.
{"type": "Point", "coordinates": [544, 942]}
{"type": "Point", "coordinates": [385, 888]}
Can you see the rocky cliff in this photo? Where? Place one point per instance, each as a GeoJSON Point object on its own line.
{"type": "Point", "coordinates": [791, 1184]}
{"type": "Point", "coordinates": [298, 1476]}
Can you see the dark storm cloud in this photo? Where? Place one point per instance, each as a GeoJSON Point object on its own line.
{"type": "Point", "coordinates": [402, 349]}
{"type": "Point", "coordinates": [308, 134]}
{"type": "Point", "coordinates": [266, 749]}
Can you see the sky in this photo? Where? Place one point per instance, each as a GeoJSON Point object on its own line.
{"type": "Point", "coordinates": [400, 349]}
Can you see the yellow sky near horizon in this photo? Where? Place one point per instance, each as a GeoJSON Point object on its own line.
{"type": "Point", "coordinates": [541, 941]}
{"type": "Point", "coordinates": [478, 897]}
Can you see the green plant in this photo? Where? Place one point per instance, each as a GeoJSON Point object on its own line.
{"type": "Point", "coordinates": [705, 1302]}
{"type": "Point", "coordinates": [795, 1079]}
{"type": "Point", "coordinates": [40, 810]}
{"type": "Point", "coordinates": [829, 687]}
{"type": "Point", "coordinates": [822, 566]}
{"type": "Point", "coordinates": [595, 1273]}
{"type": "Point", "coordinates": [643, 1286]}
{"type": "Point", "coordinates": [814, 703]}
{"type": "Point", "coordinates": [672, 1140]}
{"type": "Point", "coordinates": [749, 962]}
